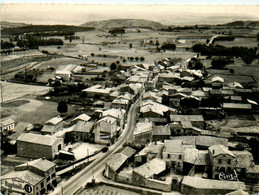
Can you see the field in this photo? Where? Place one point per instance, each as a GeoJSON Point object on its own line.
{"type": "Point", "coordinates": [13, 91]}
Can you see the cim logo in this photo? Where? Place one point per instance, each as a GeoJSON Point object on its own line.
{"type": "Point", "coordinates": [228, 177]}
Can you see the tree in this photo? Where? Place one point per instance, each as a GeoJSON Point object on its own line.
{"type": "Point", "coordinates": [130, 45]}
{"type": "Point", "coordinates": [142, 59]}
{"type": "Point", "coordinates": [168, 46]}
{"type": "Point", "coordinates": [157, 44]}
{"type": "Point", "coordinates": [62, 107]}
{"type": "Point", "coordinates": [124, 60]}
{"type": "Point", "coordinates": [136, 58]}
{"type": "Point", "coordinates": [118, 62]}
{"type": "Point", "coordinates": [113, 66]}
{"type": "Point", "coordinates": [92, 54]}
{"type": "Point", "coordinates": [131, 58]}
{"type": "Point", "coordinates": [231, 71]}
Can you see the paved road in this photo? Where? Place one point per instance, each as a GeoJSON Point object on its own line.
{"type": "Point", "coordinates": [81, 178]}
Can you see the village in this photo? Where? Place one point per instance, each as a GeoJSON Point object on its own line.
{"type": "Point", "coordinates": [149, 123]}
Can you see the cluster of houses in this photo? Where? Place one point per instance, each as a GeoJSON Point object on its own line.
{"type": "Point", "coordinates": [179, 149]}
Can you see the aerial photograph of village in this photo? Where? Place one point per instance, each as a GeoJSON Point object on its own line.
{"type": "Point", "coordinates": [129, 99]}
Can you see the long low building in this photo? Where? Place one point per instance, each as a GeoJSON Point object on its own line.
{"type": "Point", "coordinates": [37, 146]}
{"type": "Point", "coordinates": [196, 185]}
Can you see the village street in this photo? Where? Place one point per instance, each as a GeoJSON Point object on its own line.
{"type": "Point", "coordinates": [79, 180]}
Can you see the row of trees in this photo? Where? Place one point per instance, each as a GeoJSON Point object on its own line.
{"type": "Point", "coordinates": [33, 42]}
{"type": "Point", "coordinates": [247, 54]}
{"type": "Point", "coordinates": [221, 62]}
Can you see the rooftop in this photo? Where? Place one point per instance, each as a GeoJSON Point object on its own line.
{"type": "Point", "coordinates": [21, 127]}
{"type": "Point", "coordinates": [153, 167]}
{"type": "Point", "coordinates": [196, 182]}
{"type": "Point", "coordinates": [84, 127]}
{"type": "Point", "coordinates": [237, 106]}
{"type": "Point", "coordinates": [161, 130]}
{"type": "Point", "coordinates": [192, 118]}
{"type": "Point", "coordinates": [173, 146]}
{"type": "Point", "coordinates": [114, 113]}
{"type": "Point", "coordinates": [54, 121]}
{"type": "Point", "coordinates": [38, 139]}
{"type": "Point", "coordinates": [83, 117]}
{"type": "Point", "coordinates": [27, 176]}
{"type": "Point", "coordinates": [41, 164]}
{"type": "Point", "coordinates": [143, 127]}
{"type": "Point", "coordinates": [220, 149]}
{"type": "Point", "coordinates": [7, 121]}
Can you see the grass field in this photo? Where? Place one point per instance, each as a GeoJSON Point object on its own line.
{"type": "Point", "coordinates": [12, 91]}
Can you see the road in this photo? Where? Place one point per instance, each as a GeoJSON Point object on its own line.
{"type": "Point", "coordinates": [80, 179]}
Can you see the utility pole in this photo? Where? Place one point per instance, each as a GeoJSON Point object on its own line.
{"type": "Point", "coordinates": [2, 96]}
{"type": "Point", "coordinates": [88, 154]}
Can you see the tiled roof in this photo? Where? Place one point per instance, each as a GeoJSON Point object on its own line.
{"type": "Point", "coordinates": [83, 117]}
{"type": "Point", "coordinates": [54, 121]}
{"type": "Point", "coordinates": [196, 182]}
{"type": "Point", "coordinates": [173, 146]}
{"type": "Point", "coordinates": [38, 139]}
{"type": "Point", "coordinates": [128, 151]}
{"type": "Point", "coordinates": [41, 164]}
{"type": "Point", "coordinates": [153, 167]}
{"type": "Point", "coordinates": [244, 159]}
{"type": "Point", "coordinates": [27, 176]}
{"type": "Point", "coordinates": [220, 149]}
{"type": "Point", "coordinates": [192, 118]}
{"type": "Point", "coordinates": [6, 122]}
{"type": "Point", "coordinates": [84, 127]}
{"type": "Point", "coordinates": [161, 130]}
{"type": "Point", "coordinates": [116, 161]}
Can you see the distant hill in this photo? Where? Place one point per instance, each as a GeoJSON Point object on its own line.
{"type": "Point", "coordinates": [127, 23]}
{"type": "Point", "coordinates": [5, 24]}
{"type": "Point", "coordinates": [44, 28]}
{"type": "Point", "coordinates": [242, 23]}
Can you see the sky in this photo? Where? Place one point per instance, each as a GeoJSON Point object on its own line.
{"type": "Point", "coordinates": [168, 14]}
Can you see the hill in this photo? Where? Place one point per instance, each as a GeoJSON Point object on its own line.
{"type": "Point", "coordinates": [5, 24]}
{"type": "Point", "coordinates": [126, 23]}
{"type": "Point", "coordinates": [242, 23]}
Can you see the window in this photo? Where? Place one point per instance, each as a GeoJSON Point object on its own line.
{"type": "Point", "coordinates": [229, 161]}
{"type": "Point", "coordinates": [180, 156]}
{"type": "Point", "coordinates": [53, 175]}
{"type": "Point", "coordinates": [168, 155]}
{"type": "Point", "coordinates": [219, 161]}
{"type": "Point", "coordinates": [48, 178]}
{"type": "Point", "coordinates": [42, 184]}
{"type": "Point", "coordinates": [59, 147]}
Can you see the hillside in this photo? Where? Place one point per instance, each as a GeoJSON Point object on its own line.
{"type": "Point", "coordinates": [242, 23]}
{"type": "Point", "coordinates": [5, 24]}
{"type": "Point", "coordinates": [127, 23]}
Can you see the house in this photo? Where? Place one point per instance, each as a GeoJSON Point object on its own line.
{"type": "Point", "coordinates": [143, 132]}
{"type": "Point", "coordinates": [52, 126]}
{"type": "Point", "coordinates": [161, 133]}
{"type": "Point", "coordinates": [65, 74]}
{"type": "Point", "coordinates": [222, 160]}
{"type": "Point", "coordinates": [82, 131]}
{"type": "Point", "coordinates": [117, 161]}
{"type": "Point", "coordinates": [36, 146]}
{"type": "Point", "coordinates": [186, 124]}
{"type": "Point", "coordinates": [81, 117]}
{"type": "Point", "coordinates": [152, 96]}
{"type": "Point", "coordinates": [151, 151]}
{"type": "Point", "coordinates": [173, 154]}
{"type": "Point", "coordinates": [105, 130]}
{"type": "Point", "coordinates": [120, 104]}
{"type": "Point", "coordinates": [151, 109]}
{"type": "Point", "coordinates": [192, 185]}
{"type": "Point", "coordinates": [149, 175]}
{"type": "Point", "coordinates": [97, 91]}
{"type": "Point", "coordinates": [119, 114]}
{"type": "Point", "coordinates": [7, 124]}
{"type": "Point", "coordinates": [202, 142]}
{"type": "Point", "coordinates": [196, 160]}
{"type": "Point", "coordinates": [34, 177]}
{"type": "Point", "coordinates": [225, 161]}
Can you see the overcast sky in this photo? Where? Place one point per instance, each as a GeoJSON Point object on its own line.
{"type": "Point", "coordinates": [166, 14]}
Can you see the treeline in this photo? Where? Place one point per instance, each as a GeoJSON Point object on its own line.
{"type": "Point", "coordinates": [6, 45]}
{"type": "Point", "coordinates": [117, 31]}
{"type": "Point", "coordinates": [224, 38]}
{"type": "Point", "coordinates": [247, 54]}
{"type": "Point", "coordinates": [63, 29]}
{"type": "Point", "coordinates": [34, 43]}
